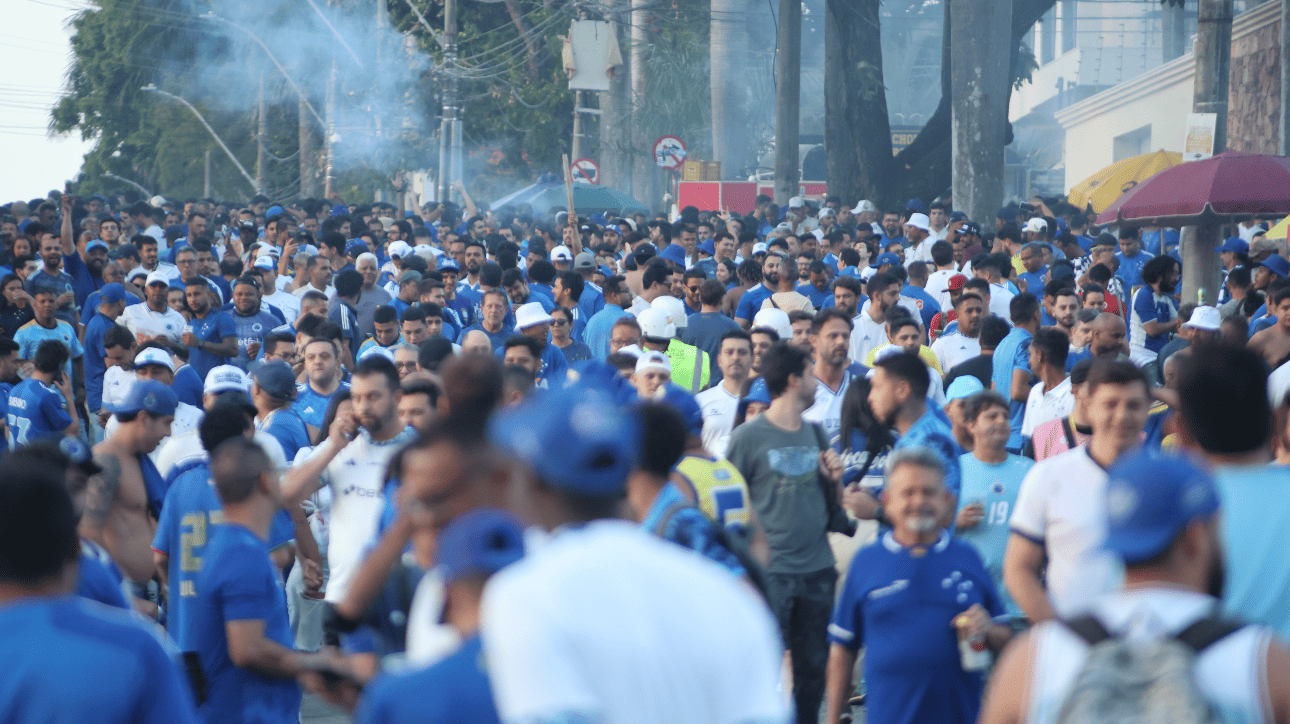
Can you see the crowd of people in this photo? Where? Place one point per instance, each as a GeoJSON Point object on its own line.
{"type": "Point", "coordinates": [462, 464]}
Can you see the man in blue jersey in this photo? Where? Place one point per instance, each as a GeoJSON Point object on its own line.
{"type": "Point", "coordinates": [273, 388]}
{"type": "Point", "coordinates": [1011, 362]}
{"type": "Point", "coordinates": [111, 304]}
{"type": "Point", "coordinates": [213, 337]}
{"type": "Point", "coordinates": [493, 319]}
{"type": "Point", "coordinates": [344, 314]}
{"type": "Point", "coordinates": [323, 379]}
{"type": "Point", "coordinates": [45, 326]}
{"type": "Point", "coordinates": [250, 322]}
{"type": "Point", "coordinates": [991, 478]}
{"type": "Point", "coordinates": [239, 623]}
{"type": "Point", "coordinates": [472, 547]}
{"type": "Point", "coordinates": [904, 598]}
{"type": "Point", "coordinates": [39, 406]}
{"type": "Point", "coordinates": [66, 659]}
{"type": "Point", "coordinates": [898, 397]}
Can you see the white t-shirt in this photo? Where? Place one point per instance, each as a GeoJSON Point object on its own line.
{"type": "Point", "coordinates": [719, 408]}
{"type": "Point", "coordinates": [827, 408]}
{"type": "Point", "coordinates": [610, 623]}
{"type": "Point", "coordinates": [1001, 302]}
{"type": "Point", "coordinates": [116, 383]}
{"type": "Point", "coordinates": [866, 335]}
{"type": "Point", "coordinates": [1062, 506]}
{"type": "Point", "coordinates": [147, 324]}
{"type": "Point", "coordinates": [938, 285]}
{"type": "Point", "coordinates": [1279, 385]}
{"type": "Point", "coordinates": [1042, 406]}
{"type": "Point", "coordinates": [286, 302]}
{"type": "Point", "coordinates": [330, 291]}
{"type": "Point", "coordinates": [951, 349]}
{"type": "Point", "coordinates": [357, 480]}
{"type": "Point", "coordinates": [186, 447]}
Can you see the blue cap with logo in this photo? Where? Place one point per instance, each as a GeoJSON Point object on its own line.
{"type": "Point", "coordinates": [273, 211]}
{"type": "Point", "coordinates": [113, 292]}
{"type": "Point", "coordinates": [448, 264]}
{"type": "Point", "coordinates": [275, 378]}
{"type": "Point", "coordinates": [887, 257]}
{"type": "Point", "coordinates": [577, 439]}
{"type": "Point", "coordinates": [479, 542]}
{"type": "Point", "coordinates": [759, 392]}
{"type": "Point", "coordinates": [1150, 498]}
{"type": "Point", "coordinates": [356, 247]}
{"type": "Point", "coordinates": [97, 244]}
{"type": "Point", "coordinates": [148, 396]}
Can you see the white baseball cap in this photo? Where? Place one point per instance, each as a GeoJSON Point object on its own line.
{"type": "Point", "coordinates": [528, 315]}
{"type": "Point", "coordinates": [656, 323]}
{"type": "Point", "coordinates": [226, 378]}
{"type": "Point", "coordinates": [561, 253]}
{"type": "Point", "coordinates": [1205, 317]}
{"type": "Point", "coordinates": [827, 211]}
{"type": "Point", "coordinates": [399, 249]}
{"type": "Point", "coordinates": [863, 205]}
{"type": "Point", "coordinates": [776, 319]}
{"type": "Point", "coordinates": [796, 202]}
{"type": "Point", "coordinates": [376, 350]}
{"type": "Point", "coordinates": [265, 262]}
{"type": "Point", "coordinates": [675, 309]}
{"type": "Point", "coordinates": [157, 278]}
{"type": "Point", "coordinates": [1036, 224]}
{"type": "Point", "coordinates": [154, 356]}
{"type": "Point", "coordinates": [919, 221]}
{"type": "Point", "coordinates": [654, 360]}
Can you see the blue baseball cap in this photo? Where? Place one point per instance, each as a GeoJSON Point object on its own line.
{"type": "Point", "coordinates": [576, 439]}
{"type": "Point", "coordinates": [916, 206]}
{"type": "Point", "coordinates": [759, 392]}
{"type": "Point", "coordinates": [708, 247]}
{"type": "Point", "coordinates": [272, 212]}
{"type": "Point", "coordinates": [1150, 498]}
{"type": "Point", "coordinates": [958, 216]}
{"type": "Point", "coordinates": [447, 263]}
{"type": "Point", "coordinates": [339, 209]}
{"type": "Point", "coordinates": [1278, 265]}
{"type": "Point", "coordinates": [77, 449]}
{"type": "Point", "coordinates": [275, 378]}
{"type": "Point", "coordinates": [963, 386]}
{"type": "Point", "coordinates": [686, 406]}
{"type": "Point", "coordinates": [887, 257]}
{"type": "Point", "coordinates": [1007, 213]}
{"type": "Point", "coordinates": [606, 271]}
{"type": "Point", "coordinates": [113, 292]}
{"type": "Point", "coordinates": [1236, 244]}
{"type": "Point", "coordinates": [674, 253]}
{"type": "Point", "coordinates": [148, 396]}
{"type": "Point", "coordinates": [97, 244]}
{"type": "Point", "coordinates": [479, 541]}
{"type": "Point", "coordinates": [355, 247]}
{"type": "Point", "coordinates": [597, 218]}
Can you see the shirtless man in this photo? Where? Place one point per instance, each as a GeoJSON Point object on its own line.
{"type": "Point", "coordinates": [122, 501]}
{"type": "Point", "coordinates": [1273, 343]}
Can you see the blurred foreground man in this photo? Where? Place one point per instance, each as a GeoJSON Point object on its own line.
{"type": "Point", "coordinates": [606, 623]}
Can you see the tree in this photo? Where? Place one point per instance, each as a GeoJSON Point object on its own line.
{"type": "Point", "coordinates": [923, 169]}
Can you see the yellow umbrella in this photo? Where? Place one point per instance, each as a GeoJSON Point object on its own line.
{"type": "Point", "coordinates": [1280, 230]}
{"type": "Point", "coordinates": [1105, 186]}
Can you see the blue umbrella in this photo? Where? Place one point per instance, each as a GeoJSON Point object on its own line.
{"type": "Point", "coordinates": [587, 199]}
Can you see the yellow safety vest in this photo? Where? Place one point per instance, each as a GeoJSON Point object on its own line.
{"type": "Point", "coordinates": [718, 488]}
{"type": "Point", "coordinates": [689, 366]}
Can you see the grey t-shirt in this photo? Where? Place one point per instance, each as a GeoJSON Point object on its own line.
{"type": "Point", "coordinates": [368, 301]}
{"type": "Point", "coordinates": [782, 470]}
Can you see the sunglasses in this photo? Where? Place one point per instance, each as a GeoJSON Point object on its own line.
{"type": "Point", "coordinates": [559, 322]}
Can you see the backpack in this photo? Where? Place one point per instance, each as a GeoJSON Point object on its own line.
{"type": "Point", "coordinates": [756, 574]}
{"type": "Point", "coordinates": [1125, 682]}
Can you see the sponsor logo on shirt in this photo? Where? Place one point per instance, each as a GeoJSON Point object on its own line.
{"type": "Point", "coordinates": [894, 587]}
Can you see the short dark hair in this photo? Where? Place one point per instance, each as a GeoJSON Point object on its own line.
{"type": "Point", "coordinates": [542, 272]}
{"type": "Point", "coordinates": [51, 355]}
{"type": "Point", "coordinates": [1156, 269]}
{"type": "Point", "coordinates": [1110, 371]}
{"type": "Point", "coordinates": [663, 435]}
{"type": "Point", "coordinates": [656, 274]}
{"type": "Point", "coordinates": [1023, 307]}
{"type": "Point", "coordinates": [993, 330]}
{"type": "Point", "coordinates": [879, 283]}
{"type": "Point", "coordinates": [573, 281]}
{"type": "Point", "coordinates": [378, 366]}
{"type": "Point", "coordinates": [422, 387]}
{"type": "Point", "coordinates": [518, 340]}
{"type": "Point", "coordinates": [118, 336]}
{"type": "Point", "coordinates": [384, 314]}
{"type": "Point", "coordinates": [225, 420]}
{"type": "Point", "coordinates": [849, 283]}
{"type": "Point", "coordinates": [273, 339]}
{"type": "Point", "coordinates": [823, 316]}
{"type": "Point", "coordinates": [711, 292]}
{"type": "Point", "coordinates": [348, 283]}
{"type": "Point", "coordinates": [1054, 344]}
{"type": "Point", "coordinates": [975, 404]}
{"type": "Point", "coordinates": [780, 362]}
{"type": "Point", "coordinates": [1224, 401]}
{"type": "Point", "coordinates": [38, 522]}
{"type": "Point", "coordinates": [432, 352]}
{"type": "Point", "coordinates": [236, 467]}
{"type": "Point", "coordinates": [942, 253]}
{"type": "Point", "coordinates": [909, 367]}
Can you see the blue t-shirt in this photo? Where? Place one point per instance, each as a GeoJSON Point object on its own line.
{"type": "Point", "coordinates": [494, 339]}
{"type": "Point", "coordinates": [1150, 307]}
{"type": "Point", "coordinates": [188, 386]}
{"type": "Point", "coordinates": [62, 283]}
{"type": "Point", "coordinates": [995, 486]}
{"type": "Point", "coordinates": [251, 329]}
{"type": "Point", "coordinates": [36, 412]}
{"type": "Point", "coordinates": [83, 282]}
{"type": "Point", "coordinates": [854, 456]}
{"type": "Point", "coordinates": [31, 334]}
{"type": "Point", "coordinates": [464, 304]}
{"type": "Point", "coordinates": [344, 316]}
{"type": "Point", "coordinates": [288, 428]}
{"type": "Point", "coordinates": [596, 333]}
{"type": "Point", "coordinates": [1034, 282]}
{"type": "Point", "coordinates": [71, 660]}
{"type": "Point", "coordinates": [901, 610]}
{"type": "Point", "coordinates": [932, 432]}
{"type": "Point", "coordinates": [591, 300]}
{"type": "Point", "coordinates": [819, 299]}
{"type": "Point", "coordinates": [750, 302]}
{"type": "Point", "coordinates": [212, 329]}
{"type": "Point", "coordinates": [238, 582]}
{"type": "Point", "coordinates": [312, 406]}
{"type": "Point", "coordinates": [928, 307]}
{"type": "Point", "coordinates": [95, 365]}
{"type": "Point", "coordinates": [454, 689]}
{"type": "Point", "coordinates": [92, 305]}
{"type": "Point", "coordinates": [1131, 268]}
{"type": "Point", "coordinates": [1013, 353]}
{"type": "Point", "coordinates": [99, 578]}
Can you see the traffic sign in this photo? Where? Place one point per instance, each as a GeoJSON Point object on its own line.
{"type": "Point", "coordinates": [669, 152]}
{"type": "Point", "coordinates": [586, 170]}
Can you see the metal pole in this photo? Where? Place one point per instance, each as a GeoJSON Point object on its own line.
{"type": "Point", "coordinates": [788, 96]}
{"type": "Point", "coordinates": [330, 140]}
{"type": "Point", "coordinates": [206, 179]}
{"type": "Point", "coordinates": [576, 146]}
{"type": "Point", "coordinates": [220, 141]}
{"type": "Point", "coordinates": [447, 129]}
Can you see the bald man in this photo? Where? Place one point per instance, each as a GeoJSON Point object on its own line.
{"type": "Point", "coordinates": [1108, 336]}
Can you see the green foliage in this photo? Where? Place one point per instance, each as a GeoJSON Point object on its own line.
{"type": "Point", "coordinates": [679, 100]}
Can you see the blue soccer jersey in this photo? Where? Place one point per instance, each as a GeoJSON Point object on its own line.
{"type": "Point", "coordinates": [454, 689]}
{"type": "Point", "coordinates": [71, 660]}
{"type": "Point", "coordinates": [932, 432]}
{"type": "Point", "coordinates": [238, 582]}
{"type": "Point", "coordinates": [250, 330]}
{"type": "Point", "coordinates": [31, 334]}
{"type": "Point", "coordinates": [288, 428]}
{"type": "Point", "coordinates": [900, 606]}
{"type": "Point", "coordinates": [36, 412]}
{"type": "Point", "coordinates": [312, 405]}
{"type": "Point", "coordinates": [994, 486]}
{"type": "Point", "coordinates": [211, 329]}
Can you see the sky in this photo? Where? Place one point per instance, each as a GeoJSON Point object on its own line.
{"type": "Point", "coordinates": [36, 52]}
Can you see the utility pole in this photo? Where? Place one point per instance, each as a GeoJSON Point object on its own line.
{"type": "Point", "coordinates": [577, 146]}
{"type": "Point", "coordinates": [447, 126]}
{"type": "Point", "coordinates": [1283, 148]}
{"type": "Point", "coordinates": [979, 77]}
{"type": "Point", "coordinates": [615, 111]}
{"type": "Point", "coordinates": [206, 178]}
{"type": "Point", "coordinates": [788, 97]}
{"type": "Point", "coordinates": [1209, 95]}
{"type": "Point", "coordinates": [644, 173]}
{"type": "Point", "coordinates": [329, 143]}
{"type": "Point", "coordinates": [262, 130]}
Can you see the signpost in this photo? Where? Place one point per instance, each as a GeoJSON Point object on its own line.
{"type": "Point", "coordinates": [669, 153]}
{"type": "Point", "coordinates": [584, 169]}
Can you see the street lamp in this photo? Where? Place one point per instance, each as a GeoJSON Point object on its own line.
{"type": "Point", "coordinates": [151, 88]}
